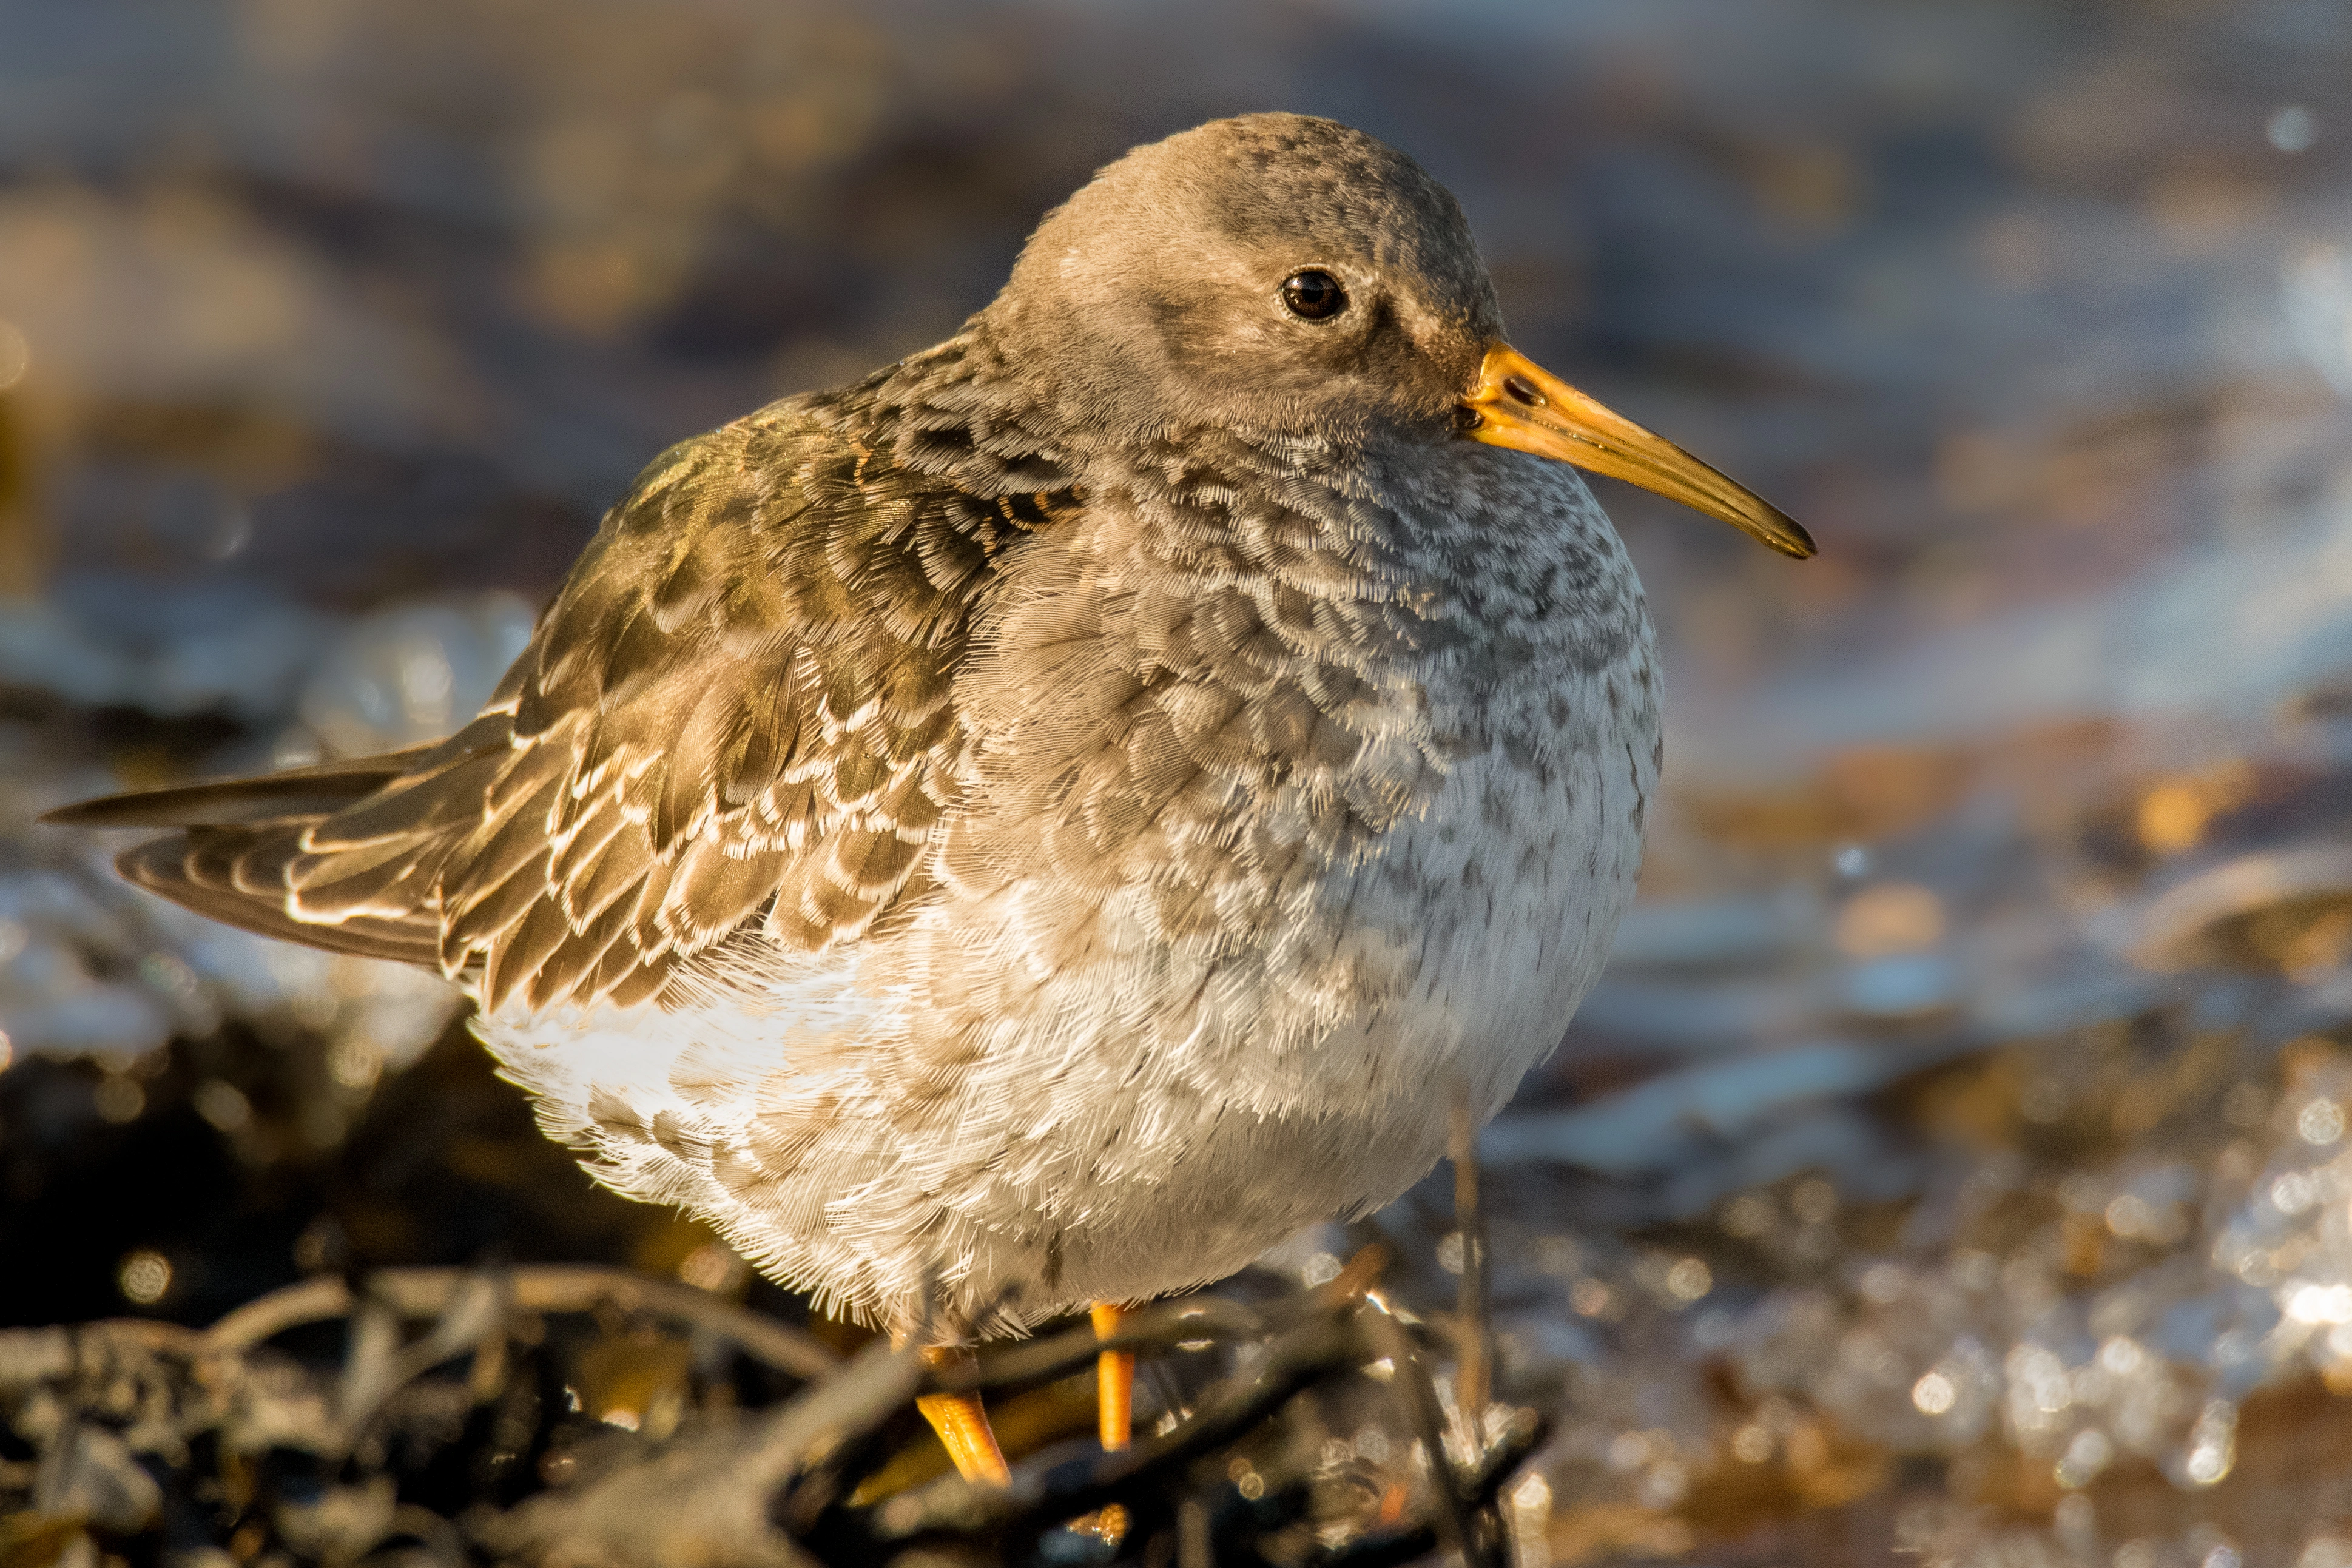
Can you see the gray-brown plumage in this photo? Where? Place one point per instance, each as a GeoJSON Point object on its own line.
{"type": "Point", "coordinates": [1053, 816]}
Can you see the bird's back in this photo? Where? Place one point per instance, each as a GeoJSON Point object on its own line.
{"type": "Point", "coordinates": [735, 716]}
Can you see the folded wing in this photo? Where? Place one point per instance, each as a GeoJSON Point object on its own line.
{"type": "Point", "coordinates": [734, 716]}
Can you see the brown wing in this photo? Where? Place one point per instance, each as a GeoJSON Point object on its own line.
{"type": "Point", "coordinates": [737, 709]}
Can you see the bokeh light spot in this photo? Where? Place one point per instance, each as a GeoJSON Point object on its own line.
{"type": "Point", "coordinates": [145, 1277]}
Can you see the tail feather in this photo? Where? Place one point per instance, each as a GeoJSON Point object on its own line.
{"type": "Point", "coordinates": [240, 843]}
{"type": "Point", "coordinates": [313, 792]}
{"type": "Point", "coordinates": [445, 855]}
{"type": "Point", "coordinates": [220, 872]}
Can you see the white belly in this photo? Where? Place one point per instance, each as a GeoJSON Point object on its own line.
{"type": "Point", "coordinates": [1135, 1121]}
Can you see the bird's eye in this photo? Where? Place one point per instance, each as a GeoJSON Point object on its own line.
{"type": "Point", "coordinates": [1313, 295]}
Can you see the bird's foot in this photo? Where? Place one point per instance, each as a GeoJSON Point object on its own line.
{"type": "Point", "coordinates": [961, 1422]}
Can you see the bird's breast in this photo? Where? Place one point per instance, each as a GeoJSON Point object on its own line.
{"type": "Point", "coordinates": [1298, 843]}
{"type": "Point", "coordinates": [1446, 956]}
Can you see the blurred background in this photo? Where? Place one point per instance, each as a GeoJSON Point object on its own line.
{"type": "Point", "coordinates": [1952, 1162]}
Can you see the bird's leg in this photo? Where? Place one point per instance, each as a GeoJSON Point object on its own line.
{"type": "Point", "coordinates": [962, 1423]}
{"type": "Point", "coordinates": [1114, 1413]}
{"type": "Point", "coordinates": [1114, 1382]}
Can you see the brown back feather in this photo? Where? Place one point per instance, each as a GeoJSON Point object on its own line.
{"type": "Point", "coordinates": [736, 711]}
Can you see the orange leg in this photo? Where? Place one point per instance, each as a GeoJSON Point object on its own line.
{"type": "Point", "coordinates": [1114, 1410]}
{"type": "Point", "coordinates": [1114, 1382]}
{"type": "Point", "coordinates": [963, 1423]}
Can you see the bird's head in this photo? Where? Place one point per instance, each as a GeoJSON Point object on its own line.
{"type": "Point", "coordinates": [1280, 273]}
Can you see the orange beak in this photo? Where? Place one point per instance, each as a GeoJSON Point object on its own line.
{"type": "Point", "coordinates": [1519, 405]}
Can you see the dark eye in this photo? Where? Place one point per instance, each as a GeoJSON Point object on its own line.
{"type": "Point", "coordinates": [1313, 295]}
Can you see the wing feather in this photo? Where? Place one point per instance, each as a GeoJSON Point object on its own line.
{"type": "Point", "coordinates": [514, 962]}
{"type": "Point", "coordinates": [736, 714]}
{"type": "Point", "coordinates": [616, 872]}
{"type": "Point", "coordinates": [567, 970]}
